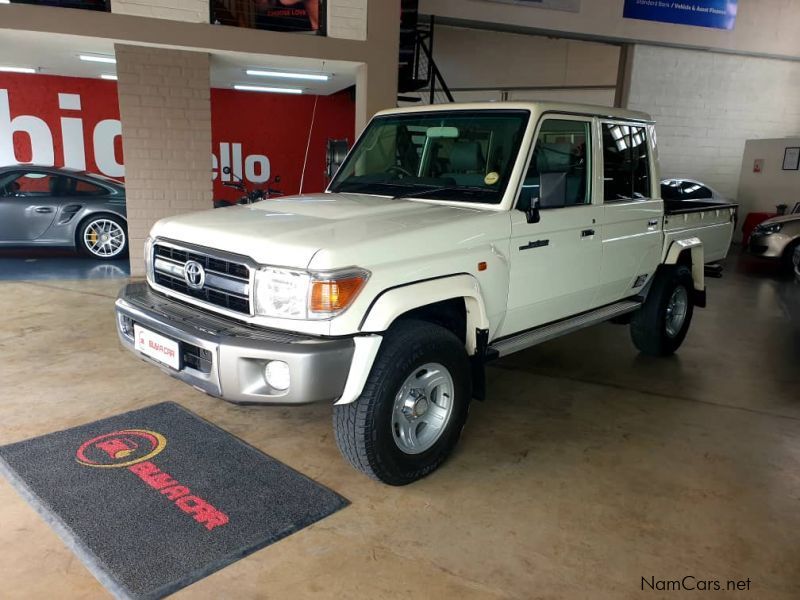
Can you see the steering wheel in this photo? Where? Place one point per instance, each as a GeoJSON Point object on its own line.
{"type": "Point", "coordinates": [399, 169]}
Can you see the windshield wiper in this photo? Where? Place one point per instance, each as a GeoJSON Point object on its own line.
{"type": "Point", "coordinates": [444, 188]}
{"type": "Point", "coordinates": [366, 186]}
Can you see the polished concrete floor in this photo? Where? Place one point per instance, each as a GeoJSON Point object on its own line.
{"type": "Point", "coordinates": [56, 264]}
{"type": "Point", "coordinates": [589, 468]}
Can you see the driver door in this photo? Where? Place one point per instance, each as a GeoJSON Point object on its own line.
{"type": "Point", "coordinates": [28, 205]}
{"type": "Point", "coordinates": [555, 263]}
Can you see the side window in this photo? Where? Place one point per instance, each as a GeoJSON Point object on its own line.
{"type": "Point", "coordinates": [695, 191]}
{"type": "Point", "coordinates": [36, 184]}
{"type": "Point", "coordinates": [558, 174]}
{"type": "Point", "coordinates": [627, 165]}
{"type": "Point", "coordinates": [79, 187]}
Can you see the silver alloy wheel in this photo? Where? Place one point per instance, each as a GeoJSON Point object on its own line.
{"type": "Point", "coordinates": [104, 238]}
{"type": "Point", "coordinates": [422, 408]}
{"type": "Point", "coordinates": [677, 307]}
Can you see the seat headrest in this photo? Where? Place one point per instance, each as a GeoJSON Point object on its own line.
{"type": "Point", "coordinates": [466, 157]}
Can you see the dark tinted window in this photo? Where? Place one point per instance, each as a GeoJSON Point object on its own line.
{"type": "Point", "coordinates": [32, 184]}
{"type": "Point", "coordinates": [695, 191]}
{"type": "Point", "coordinates": [557, 173]}
{"type": "Point", "coordinates": [671, 190]}
{"type": "Point", "coordinates": [79, 187]}
{"type": "Point", "coordinates": [627, 169]}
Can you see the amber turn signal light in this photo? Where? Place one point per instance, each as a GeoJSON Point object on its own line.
{"type": "Point", "coordinates": [335, 295]}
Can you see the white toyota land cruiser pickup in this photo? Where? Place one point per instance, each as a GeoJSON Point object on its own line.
{"type": "Point", "coordinates": [450, 236]}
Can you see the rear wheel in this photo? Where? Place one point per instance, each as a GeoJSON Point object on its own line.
{"type": "Point", "coordinates": [409, 417]}
{"type": "Point", "coordinates": [659, 327]}
{"type": "Point", "coordinates": [104, 237]}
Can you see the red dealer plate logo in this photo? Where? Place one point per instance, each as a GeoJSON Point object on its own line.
{"type": "Point", "coordinates": [121, 448]}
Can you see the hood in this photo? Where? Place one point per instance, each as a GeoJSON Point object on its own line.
{"type": "Point", "coordinates": [290, 231]}
{"type": "Point", "coordinates": [782, 219]}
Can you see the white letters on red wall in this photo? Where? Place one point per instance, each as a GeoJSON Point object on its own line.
{"type": "Point", "coordinates": [74, 122]}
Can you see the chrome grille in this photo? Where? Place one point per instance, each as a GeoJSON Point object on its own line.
{"type": "Point", "coordinates": [227, 282]}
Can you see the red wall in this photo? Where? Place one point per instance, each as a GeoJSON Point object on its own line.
{"type": "Point", "coordinates": [278, 126]}
{"type": "Point", "coordinates": [269, 127]}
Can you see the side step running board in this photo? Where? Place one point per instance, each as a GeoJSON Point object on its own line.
{"type": "Point", "coordinates": [554, 330]}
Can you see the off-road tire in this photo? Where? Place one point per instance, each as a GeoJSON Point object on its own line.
{"type": "Point", "coordinates": [648, 324]}
{"type": "Point", "coordinates": [364, 428]}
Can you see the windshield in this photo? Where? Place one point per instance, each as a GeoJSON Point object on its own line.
{"type": "Point", "coordinates": [464, 155]}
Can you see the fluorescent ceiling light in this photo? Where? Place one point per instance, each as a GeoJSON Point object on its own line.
{"type": "Point", "coordinates": [275, 90]}
{"type": "Point", "coordinates": [286, 75]}
{"type": "Point", "coordinates": [98, 58]}
{"type": "Point", "coordinates": [108, 76]}
{"type": "Point", "coordinates": [17, 69]}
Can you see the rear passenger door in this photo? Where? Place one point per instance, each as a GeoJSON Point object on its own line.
{"type": "Point", "coordinates": [555, 263]}
{"type": "Point", "coordinates": [632, 213]}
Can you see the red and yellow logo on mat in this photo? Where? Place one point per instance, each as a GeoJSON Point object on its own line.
{"type": "Point", "coordinates": [121, 448]}
{"type": "Point", "coordinates": [132, 449]}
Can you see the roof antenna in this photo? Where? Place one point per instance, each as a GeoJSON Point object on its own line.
{"type": "Point", "coordinates": [308, 143]}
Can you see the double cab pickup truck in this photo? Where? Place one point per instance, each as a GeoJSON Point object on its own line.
{"type": "Point", "coordinates": [450, 236]}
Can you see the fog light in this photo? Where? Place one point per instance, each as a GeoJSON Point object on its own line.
{"type": "Point", "coordinates": [276, 374]}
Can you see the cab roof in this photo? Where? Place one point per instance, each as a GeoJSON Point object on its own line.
{"type": "Point", "coordinates": [533, 106]}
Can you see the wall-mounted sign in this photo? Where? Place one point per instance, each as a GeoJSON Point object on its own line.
{"type": "Point", "coordinates": [791, 159]}
{"type": "Point", "coordinates": [74, 122]}
{"type": "Point", "coordinates": [274, 15]}
{"type": "Point", "coordinates": [566, 5]}
{"type": "Point", "coordinates": [718, 14]}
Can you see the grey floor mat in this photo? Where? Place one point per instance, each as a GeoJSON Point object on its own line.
{"type": "Point", "coordinates": [155, 499]}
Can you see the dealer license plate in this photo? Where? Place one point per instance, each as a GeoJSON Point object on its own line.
{"type": "Point", "coordinates": [156, 346]}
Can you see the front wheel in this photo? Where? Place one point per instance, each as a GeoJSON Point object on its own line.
{"type": "Point", "coordinates": [415, 402]}
{"type": "Point", "coordinates": [104, 237]}
{"type": "Point", "coordinates": [659, 327]}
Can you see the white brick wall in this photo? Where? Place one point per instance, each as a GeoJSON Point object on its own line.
{"type": "Point", "coordinates": [708, 104]}
{"type": "Point", "coordinates": [165, 109]}
{"type": "Point", "coordinates": [347, 19]}
{"type": "Point", "coordinates": [193, 11]}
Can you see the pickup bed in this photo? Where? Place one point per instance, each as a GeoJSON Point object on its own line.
{"type": "Point", "coordinates": [450, 236]}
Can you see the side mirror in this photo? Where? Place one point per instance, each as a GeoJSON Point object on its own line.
{"type": "Point", "coordinates": [226, 170]}
{"type": "Point", "coordinates": [532, 212]}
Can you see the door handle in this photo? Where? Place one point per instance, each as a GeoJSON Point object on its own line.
{"type": "Point", "coordinates": [587, 233]}
{"type": "Point", "coordinates": [652, 222]}
{"type": "Point", "coordinates": [43, 209]}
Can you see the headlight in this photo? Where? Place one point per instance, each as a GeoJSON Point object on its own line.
{"type": "Point", "coordinates": [290, 294]}
{"type": "Point", "coordinates": [768, 229]}
{"type": "Point", "coordinates": [282, 293]}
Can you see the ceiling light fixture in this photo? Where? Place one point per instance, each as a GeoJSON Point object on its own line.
{"type": "Point", "coordinates": [287, 75]}
{"type": "Point", "coordinates": [17, 69]}
{"type": "Point", "coordinates": [98, 58]}
{"type": "Point", "coordinates": [274, 90]}
{"type": "Point", "coordinates": [108, 76]}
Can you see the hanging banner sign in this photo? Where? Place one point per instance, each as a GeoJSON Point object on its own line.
{"type": "Point", "coordinates": [717, 14]}
{"type": "Point", "coordinates": [565, 5]}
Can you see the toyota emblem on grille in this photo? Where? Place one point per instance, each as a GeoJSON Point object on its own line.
{"type": "Point", "coordinates": [194, 274]}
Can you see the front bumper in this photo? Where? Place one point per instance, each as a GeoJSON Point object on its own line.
{"type": "Point", "coordinates": [768, 246]}
{"type": "Point", "coordinates": [226, 359]}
